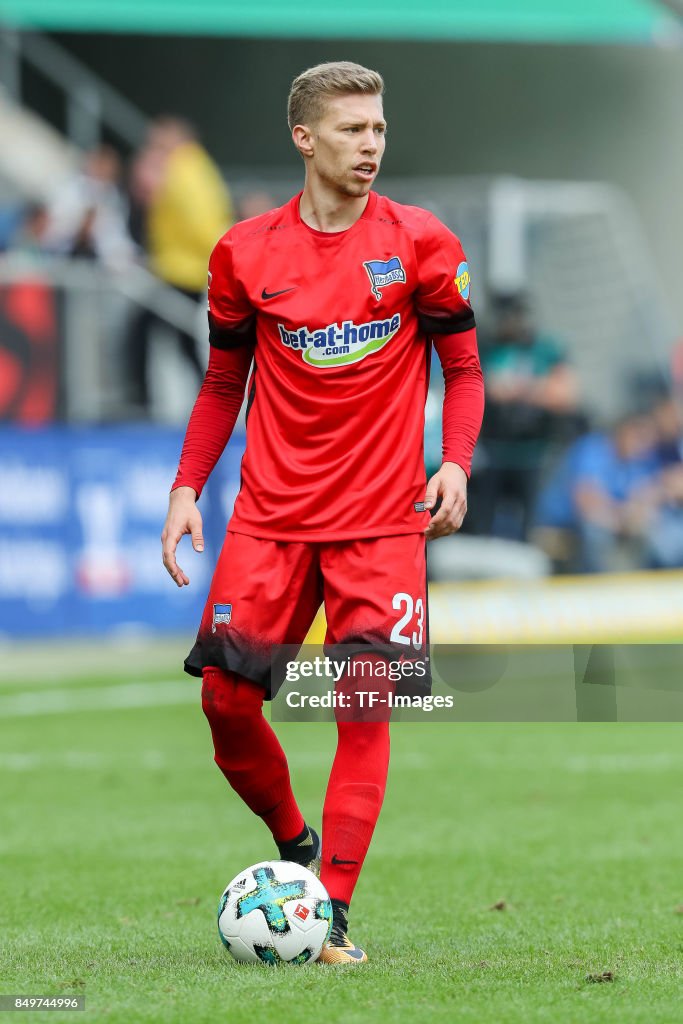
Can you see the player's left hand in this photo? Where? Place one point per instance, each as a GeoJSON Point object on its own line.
{"type": "Point", "coordinates": [449, 484]}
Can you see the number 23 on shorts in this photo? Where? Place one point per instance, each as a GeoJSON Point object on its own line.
{"type": "Point", "coordinates": [409, 629]}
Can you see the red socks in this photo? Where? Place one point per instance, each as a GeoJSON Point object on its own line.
{"type": "Point", "coordinates": [248, 752]}
{"type": "Point", "coordinates": [352, 803]}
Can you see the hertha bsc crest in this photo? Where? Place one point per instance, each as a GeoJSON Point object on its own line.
{"type": "Point", "coordinates": [222, 613]}
{"type": "Point", "coordinates": [382, 273]}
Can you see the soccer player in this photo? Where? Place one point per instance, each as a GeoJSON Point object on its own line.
{"type": "Point", "coordinates": [335, 298]}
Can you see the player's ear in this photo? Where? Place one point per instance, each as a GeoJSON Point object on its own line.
{"type": "Point", "coordinates": [302, 137]}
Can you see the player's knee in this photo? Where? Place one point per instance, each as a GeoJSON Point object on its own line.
{"type": "Point", "coordinates": [364, 739]}
{"type": "Point", "coordinates": [214, 686]}
{"type": "Point", "coordinates": [228, 699]}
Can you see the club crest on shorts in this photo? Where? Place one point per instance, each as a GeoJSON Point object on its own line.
{"type": "Point", "coordinates": [382, 273]}
{"type": "Point", "coordinates": [222, 613]}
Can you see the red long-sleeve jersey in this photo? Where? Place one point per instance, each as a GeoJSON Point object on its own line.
{"type": "Point", "coordinates": [339, 328]}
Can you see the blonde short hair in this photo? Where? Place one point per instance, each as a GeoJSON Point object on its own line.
{"type": "Point", "coordinates": [306, 103]}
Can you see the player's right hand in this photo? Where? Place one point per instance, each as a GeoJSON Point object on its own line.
{"type": "Point", "coordinates": [183, 517]}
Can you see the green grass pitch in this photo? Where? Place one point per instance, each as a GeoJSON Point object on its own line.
{"type": "Point", "coordinates": [117, 835]}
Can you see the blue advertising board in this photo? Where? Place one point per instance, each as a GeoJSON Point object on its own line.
{"type": "Point", "coordinates": [81, 513]}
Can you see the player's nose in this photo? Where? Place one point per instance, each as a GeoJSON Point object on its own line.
{"type": "Point", "coordinates": [369, 142]}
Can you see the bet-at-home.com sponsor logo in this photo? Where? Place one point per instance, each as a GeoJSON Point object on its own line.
{"type": "Point", "coordinates": [339, 344]}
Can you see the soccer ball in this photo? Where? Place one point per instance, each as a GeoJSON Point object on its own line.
{"type": "Point", "coordinates": [275, 912]}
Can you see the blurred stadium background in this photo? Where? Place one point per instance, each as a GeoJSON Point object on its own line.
{"type": "Point", "coordinates": [516, 863]}
{"type": "Point", "coordinates": [548, 137]}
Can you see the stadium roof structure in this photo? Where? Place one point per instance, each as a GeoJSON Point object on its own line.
{"type": "Point", "coordinates": [559, 21]}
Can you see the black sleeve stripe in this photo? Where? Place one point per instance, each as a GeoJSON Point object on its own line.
{"type": "Point", "coordinates": [232, 337]}
{"type": "Point", "coordinates": [455, 323]}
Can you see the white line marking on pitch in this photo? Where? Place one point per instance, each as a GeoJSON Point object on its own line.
{"type": "Point", "coordinates": [609, 764]}
{"type": "Point", "coordinates": [81, 760]}
{"type": "Point", "coordinates": [101, 698]}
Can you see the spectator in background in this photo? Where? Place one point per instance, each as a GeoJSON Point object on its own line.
{"type": "Point", "coordinates": [664, 545]}
{"type": "Point", "coordinates": [668, 422]}
{"type": "Point", "coordinates": [29, 237]}
{"type": "Point", "coordinates": [145, 175]}
{"type": "Point", "coordinates": [676, 369]}
{"type": "Point", "coordinates": [87, 216]}
{"type": "Point", "coordinates": [188, 207]}
{"type": "Point", "coordinates": [29, 340]}
{"type": "Point", "coordinates": [531, 405]}
{"type": "Point", "coordinates": [606, 493]}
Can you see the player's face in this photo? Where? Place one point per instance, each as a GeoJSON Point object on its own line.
{"type": "Point", "coordinates": [348, 144]}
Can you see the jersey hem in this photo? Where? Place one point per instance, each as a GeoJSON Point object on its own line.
{"type": "Point", "coordinates": [313, 537]}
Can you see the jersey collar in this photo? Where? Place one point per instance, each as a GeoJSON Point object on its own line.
{"type": "Point", "coordinates": [332, 235]}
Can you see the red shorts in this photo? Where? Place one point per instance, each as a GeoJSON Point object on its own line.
{"type": "Point", "coordinates": [266, 593]}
